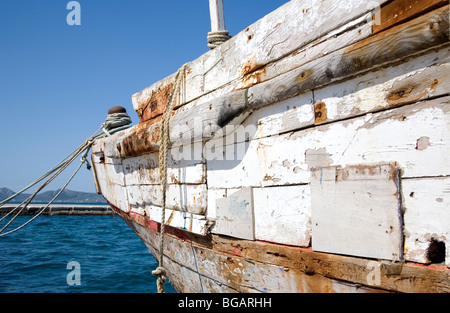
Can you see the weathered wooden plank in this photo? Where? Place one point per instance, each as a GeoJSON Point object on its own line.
{"type": "Point", "coordinates": [179, 197]}
{"type": "Point", "coordinates": [356, 210]}
{"type": "Point", "coordinates": [190, 198]}
{"type": "Point", "coordinates": [283, 214]}
{"type": "Point", "coordinates": [193, 223]}
{"type": "Point", "coordinates": [134, 141]}
{"type": "Point", "coordinates": [293, 26]}
{"type": "Point", "coordinates": [284, 116]}
{"type": "Point", "coordinates": [144, 169]}
{"type": "Point", "coordinates": [399, 42]}
{"type": "Point", "coordinates": [138, 140]}
{"type": "Point", "coordinates": [427, 216]}
{"type": "Point", "coordinates": [416, 79]}
{"type": "Point", "coordinates": [286, 159]}
{"type": "Point", "coordinates": [101, 158]}
{"type": "Point", "coordinates": [183, 220]}
{"type": "Point", "coordinates": [145, 200]}
{"type": "Point", "coordinates": [237, 271]}
{"type": "Point", "coordinates": [110, 181]}
{"type": "Point", "coordinates": [141, 196]}
{"type": "Point", "coordinates": [154, 105]}
{"type": "Point", "coordinates": [235, 216]}
{"type": "Point", "coordinates": [400, 10]}
{"type": "Point", "coordinates": [202, 121]}
{"type": "Point", "coordinates": [344, 36]}
{"type": "Point", "coordinates": [213, 195]}
{"type": "Point", "coordinates": [115, 194]}
{"type": "Point", "coordinates": [180, 266]}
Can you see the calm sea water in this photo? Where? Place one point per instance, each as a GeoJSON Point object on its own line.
{"type": "Point", "coordinates": [106, 255]}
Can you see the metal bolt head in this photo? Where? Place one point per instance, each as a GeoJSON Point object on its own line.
{"type": "Point", "coordinates": [117, 109]}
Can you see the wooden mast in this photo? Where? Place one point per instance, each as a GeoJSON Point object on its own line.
{"type": "Point", "coordinates": [217, 16]}
{"type": "Point", "coordinates": [218, 33]}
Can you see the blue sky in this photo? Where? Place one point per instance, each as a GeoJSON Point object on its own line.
{"type": "Point", "coordinates": [58, 81]}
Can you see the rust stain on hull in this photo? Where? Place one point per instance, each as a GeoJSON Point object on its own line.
{"type": "Point", "coordinates": [252, 73]}
{"type": "Point", "coordinates": [143, 140]}
{"type": "Point", "coordinates": [320, 112]}
{"type": "Point", "coordinates": [155, 104]}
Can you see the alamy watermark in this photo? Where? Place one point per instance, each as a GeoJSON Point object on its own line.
{"type": "Point", "coordinates": [74, 276]}
{"type": "Point", "coordinates": [74, 16]}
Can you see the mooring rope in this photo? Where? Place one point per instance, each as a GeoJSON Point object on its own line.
{"type": "Point", "coordinates": [112, 124]}
{"type": "Point", "coordinates": [29, 199]}
{"type": "Point", "coordinates": [83, 160]}
{"type": "Point", "coordinates": [163, 157]}
{"type": "Point", "coordinates": [48, 173]}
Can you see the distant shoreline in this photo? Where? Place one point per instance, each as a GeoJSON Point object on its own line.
{"type": "Point", "coordinates": [60, 209]}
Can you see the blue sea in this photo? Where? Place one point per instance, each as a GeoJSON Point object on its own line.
{"type": "Point", "coordinates": [75, 254]}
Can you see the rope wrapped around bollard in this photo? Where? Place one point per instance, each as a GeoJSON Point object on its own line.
{"type": "Point", "coordinates": [117, 117]}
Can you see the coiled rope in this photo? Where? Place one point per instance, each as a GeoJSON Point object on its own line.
{"type": "Point", "coordinates": [174, 96]}
{"type": "Point", "coordinates": [217, 38]}
{"type": "Point", "coordinates": [113, 124]}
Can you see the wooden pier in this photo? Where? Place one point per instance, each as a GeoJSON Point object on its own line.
{"type": "Point", "coordinates": [61, 209]}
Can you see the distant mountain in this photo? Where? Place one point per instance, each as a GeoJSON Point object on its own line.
{"type": "Point", "coordinates": [5, 193]}
{"type": "Point", "coordinates": [67, 196]}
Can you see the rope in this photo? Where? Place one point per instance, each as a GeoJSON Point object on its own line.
{"type": "Point", "coordinates": [113, 124]}
{"type": "Point", "coordinates": [163, 156]}
{"type": "Point", "coordinates": [217, 38]}
{"type": "Point", "coordinates": [51, 201]}
{"type": "Point", "coordinates": [60, 170]}
{"type": "Point", "coordinates": [49, 172]}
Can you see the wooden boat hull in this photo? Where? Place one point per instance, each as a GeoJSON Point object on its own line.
{"type": "Point", "coordinates": [308, 154]}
